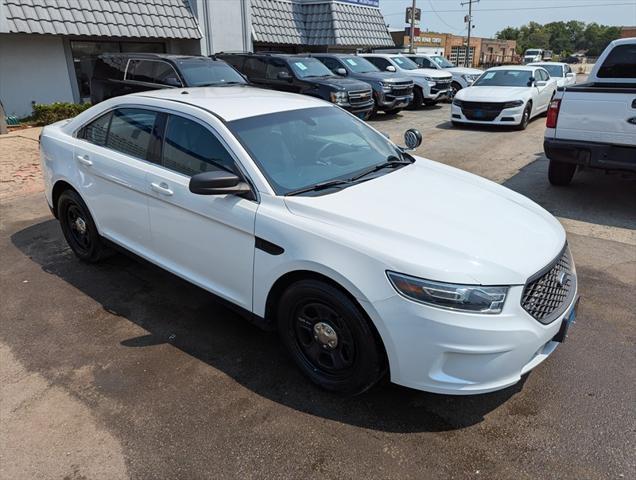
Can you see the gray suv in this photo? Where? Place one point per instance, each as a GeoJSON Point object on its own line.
{"type": "Point", "coordinates": [391, 92]}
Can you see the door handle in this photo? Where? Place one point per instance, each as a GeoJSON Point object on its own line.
{"type": "Point", "coordinates": [161, 188]}
{"type": "Point", "coordinates": [84, 160]}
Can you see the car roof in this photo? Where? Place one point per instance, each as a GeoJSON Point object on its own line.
{"type": "Point", "coordinates": [162, 56]}
{"type": "Point", "coordinates": [234, 102]}
{"type": "Point", "coordinates": [538, 64]}
{"type": "Point", "coordinates": [513, 67]}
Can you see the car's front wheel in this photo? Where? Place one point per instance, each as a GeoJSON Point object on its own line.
{"type": "Point", "coordinates": [561, 173]}
{"type": "Point", "coordinates": [79, 228]}
{"type": "Point", "coordinates": [329, 338]}
{"type": "Point", "coordinates": [525, 117]}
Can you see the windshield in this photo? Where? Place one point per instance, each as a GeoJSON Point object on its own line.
{"type": "Point", "coordinates": [205, 71]}
{"type": "Point", "coordinates": [360, 65]}
{"type": "Point", "coordinates": [504, 78]}
{"type": "Point", "coordinates": [553, 70]}
{"type": "Point", "coordinates": [309, 67]}
{"type": "Point", "coordinates": [532, 52]}
{"type": "Point", "coordinates": [442, 62]}
{"type": "Point", "coordinates": [300, 148]}
{"type": "Point", "coordinates": [405, 63]}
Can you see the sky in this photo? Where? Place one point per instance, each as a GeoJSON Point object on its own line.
{"type": "Point", "coordinates": [490, 16]}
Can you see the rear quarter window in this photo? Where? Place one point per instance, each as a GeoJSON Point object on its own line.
{"type": "Point", "coordinates": [620, 63]}
{"type": "Point", "coordinates": [109, 68]}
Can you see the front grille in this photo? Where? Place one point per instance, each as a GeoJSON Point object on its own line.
{"type": "Point", "coordinates": [548, 293]}
{"type": "Point", "coordinates": [359, 97]}
{"type": "Point", "coordinates": [441, 85]}
{"type": "Point", "coordinates": [483, 111]}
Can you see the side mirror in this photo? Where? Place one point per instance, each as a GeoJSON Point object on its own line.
{"type": "Point", "coordinates": [531, 81]}
{"type": "Point", "coordinates": [391, 68]}
{"type": "Point", "coordinates": [285, 76]}
{"type": "Point", "coordinates": [412, 139]}
{"type": "Point", "coordinates": [218, 182]}
{"type": "Point", "coordinates": [172, 82]}
{"type": "Point", "coordinates": [341, 71]}
{"type": "Point", "coordinates": [570, 75]}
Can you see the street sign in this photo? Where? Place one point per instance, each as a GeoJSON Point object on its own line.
{"type": "Point", "coordinates": [418, 15]}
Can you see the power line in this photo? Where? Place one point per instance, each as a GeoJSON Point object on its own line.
{"type": "Point", "coordinates": [552, 7]}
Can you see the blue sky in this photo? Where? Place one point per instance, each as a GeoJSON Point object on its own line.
{"type": "Point", "coordinates": [492, 17]}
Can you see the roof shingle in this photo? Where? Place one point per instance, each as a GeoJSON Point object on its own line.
{"type": "Point", "coordinates": [113, 18]}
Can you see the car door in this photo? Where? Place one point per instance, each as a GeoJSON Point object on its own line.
{"type": "Point", "coordinates": [543, 92]}
{"type": "Point", "coordinates": [209, 240]}
{"type": "Point", "coordinates": [254, 68]}
{"type": "Point", "coordinates": [279, 76]}
{"type": "Point", "coordinates": [112, 154]}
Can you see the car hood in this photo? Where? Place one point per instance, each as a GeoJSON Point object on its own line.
{"type": "Point", "coordinates": [339, 83]}
{"type": "Point", "coordinates": [437, 222]}
{"type": "Point", "coordinates": [493, 94]}
{"type": "Point", "coordinates": [389, 77]}
{"type": "Point", "coordinates": [464, 70]}
{"type": "Point", "coordinates": [433, 73]}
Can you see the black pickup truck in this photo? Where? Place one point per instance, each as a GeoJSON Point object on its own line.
{"type": "Point", "coordinates": [306, 75]}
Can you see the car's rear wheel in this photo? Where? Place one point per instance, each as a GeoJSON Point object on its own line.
{"type": "Point", "coordinates": [329, 338]}
{"type": "Point", "coordinates": [79, 228]}
{"type": "Point", "coordinates": [561, 173]}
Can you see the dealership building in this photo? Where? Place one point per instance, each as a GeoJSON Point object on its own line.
{"type": "Point", "coordinates": [48, 48]}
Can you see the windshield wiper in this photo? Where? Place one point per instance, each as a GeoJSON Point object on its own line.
{"type": "Point", "coordinates": [391, 162]}
{"type": "Point", "coordinates": [319, 186]}
{"type": "Point", "coordinates": [220, 84]}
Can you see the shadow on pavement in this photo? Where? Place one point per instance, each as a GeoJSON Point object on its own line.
{"type": "Point", "coordinates": [176, 312]}
{"type": "Point", "coordinates": [593, 196]}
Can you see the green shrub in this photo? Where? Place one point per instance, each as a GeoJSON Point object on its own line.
{"type": "Point", "coordinates": [47, 114]}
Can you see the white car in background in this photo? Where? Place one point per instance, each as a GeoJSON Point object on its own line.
{"type": "Point", "coordinates": [509, 95]}
{"type": "Point", "coordinates": [561, 72]}
{"type": "Point", "coordinates": [369, 261]}
{"type": "Point", "coordinates": [462, 76]}
{"type": "Point", "coordinates": [430, 85]}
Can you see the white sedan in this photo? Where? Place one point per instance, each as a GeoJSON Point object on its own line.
{"type": "Point", "coordinates": [561, 72]}
{"type": "Point", "coordinates": [509, 95]}
{"type": "Point", "coordinates": [368, 261]}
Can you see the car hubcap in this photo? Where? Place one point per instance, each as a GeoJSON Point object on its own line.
{"type": "Point", "coordinates": [78, 227]}
{"type": "Point", "coordinates": [324, 338]}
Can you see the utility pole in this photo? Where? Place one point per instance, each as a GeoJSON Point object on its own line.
{"type": "Point", "coordinates": [412, 35]}
{"type": "Point", "coordinates": [470, 26]}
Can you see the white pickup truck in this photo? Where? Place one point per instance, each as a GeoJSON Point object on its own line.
{"type": "Point", "coordinates": [593, 124]}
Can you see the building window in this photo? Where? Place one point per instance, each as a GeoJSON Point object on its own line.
{"type": "Point", "coordinates": [458, 55]}
{"type": "Point", "coordinates": [85, 52]}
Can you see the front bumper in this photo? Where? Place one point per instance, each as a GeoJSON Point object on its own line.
{"type": "Point", "coordinates": [591, 154]}
{"type": "Point", "coordinates": [507, 116]}
{"type": "Point", "coordinates": [438, 95]}
{"type": "Point", "coordinates": [451, 352]}
{"type": "Point", "coordinates": [388, 101]}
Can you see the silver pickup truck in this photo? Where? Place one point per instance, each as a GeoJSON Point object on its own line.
{"type": "Point", "coordinates": [593, 124]}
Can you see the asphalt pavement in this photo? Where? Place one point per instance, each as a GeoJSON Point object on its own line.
{"type": "Point", "coordinates": [121, 370]}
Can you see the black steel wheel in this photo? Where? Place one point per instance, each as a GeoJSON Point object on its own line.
{"type": "Point", "coordinates": [329, 338]}
{"type": "Point", "coordinates": [79, 228]}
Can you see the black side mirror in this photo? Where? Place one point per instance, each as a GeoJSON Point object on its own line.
{"type": "Point", "coordinates": [218, 182]}
{"type": "Point", "coordinates": [412, 139]}
{"type": "Point", "coordinates": [285, 76]}
{"type": "Point", "coordinates": [172, 81]}
{"type": "Point", "coordinates": [531, 81]}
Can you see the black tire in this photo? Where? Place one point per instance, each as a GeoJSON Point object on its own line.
{"type": "Point", "coordinates": [525, 118]}
{"type": "Point", "coordinates": [418, 99]}
{"type": "Point", "coordinates": [393, 111]}
{"type": "Point", "coordinates": [455, 87]}
{"type": "Point", "coordinates": [351, 366]}
{"type": "Point", "coordinates": [79, 228]}
{"type": "Point", "coordinates": [561, 173]}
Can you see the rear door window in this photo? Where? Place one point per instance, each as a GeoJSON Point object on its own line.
{"type": "Point", "coordinates": [131, 131]}
{"type": "Point", "coordinates": [620, 63]}
{"type": "Point", "coordinates": [254, 67]}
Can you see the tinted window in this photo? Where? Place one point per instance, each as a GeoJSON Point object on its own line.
{"type": "Point", "coordinates": [152, 71]}
{"type": "Point", "coordinates": [620, 63]}
{"type": "Point", "coordinates": [110, 67]}
{"type": "Point", "coordinates": [554, 70]}
{"type": "Point", "coordinates": [96, 131]}
{"type": "Point", "coordinates": [379, 62]}
{"type": "Point", "coordinates": [254, 67]}
{"type": "Point", "coordinates": [423, 62]}
{"type": "Point", "coordinates": [131, 131]}
{"type": "Point", "coordinates": [331, 63]}
{"type": "Point", "coordinates": [190, 148]}
{"type": "Point", "coordinates": [205, 71]}
{"type": "Point", "coordinates": [274, 67]}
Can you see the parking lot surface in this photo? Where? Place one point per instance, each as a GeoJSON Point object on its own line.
{"type": "Point", "coordinates": [120, 370]}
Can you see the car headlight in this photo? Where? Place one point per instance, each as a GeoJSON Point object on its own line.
{"type": "Point", "coordinates": [339, 98]}
{"type": "Point", "coordinates": [457, 102]}
{"type": "Point", "coordinates": [514, 103]}
{"type": "Point", "coordinates": [386, 87]}
{"type": "Point", "coordinates": [468, 298]}
{"type": "Point", "coordinates": [470, 78]}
